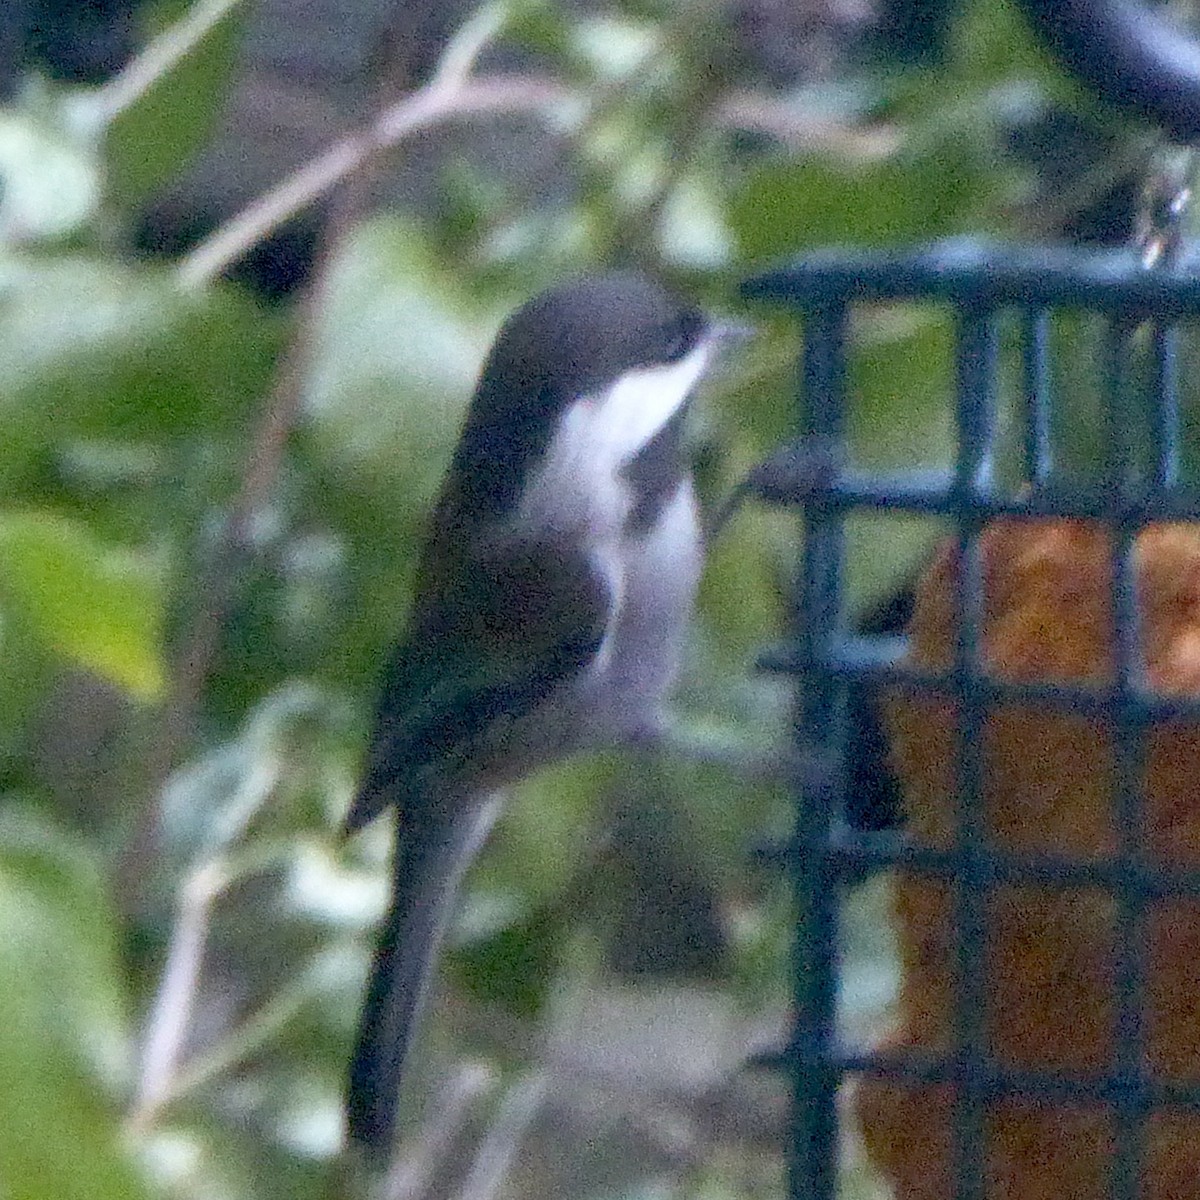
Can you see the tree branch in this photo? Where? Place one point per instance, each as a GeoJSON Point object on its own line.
{"type": "Point", "coordinates": [431, 105]}
{"type": "Point", "coordinates": [172, 1012]}
{"type": "Point", "coordinates": [156, 60]}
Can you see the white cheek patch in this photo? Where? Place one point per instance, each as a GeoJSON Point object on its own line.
{"type": "Point", "coordinates": [579, 483]}
{"type": "Point", "coordinates": [641, 402]}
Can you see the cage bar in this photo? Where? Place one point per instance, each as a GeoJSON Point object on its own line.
{"type": "Point", "coordinates": [983, 285]}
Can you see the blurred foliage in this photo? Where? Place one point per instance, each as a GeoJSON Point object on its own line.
{"type": "Point", "coordinates": [137, 164]}
{"type": "Point", "coordinates": [133, 413]}
{"type": "Point", "coordinates": [65, 1036]}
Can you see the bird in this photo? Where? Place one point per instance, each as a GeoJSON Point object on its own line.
{"type": "Point", "coordinates": [550, 607]}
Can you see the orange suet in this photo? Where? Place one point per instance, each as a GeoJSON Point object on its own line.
{"type": "Point", "coordinates": [1048, 790]}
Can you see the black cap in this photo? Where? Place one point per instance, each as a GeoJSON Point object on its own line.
{"type": "Point", "coordinates": [571, 340]}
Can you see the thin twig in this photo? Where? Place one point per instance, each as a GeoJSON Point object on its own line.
{"type": "Point", "coordinates": [171, 1015]}
{"type": "Point", "coordinates": [157, 59]}
{"type": "Point", "coordinates": [421, 110]}
{"type": "Point", "coordinates": [243, 1042]}
{"type": "Point", "coordinates": [412, 1174]}
{"type": "Point", "coordinates": [495, 1157]}
{"type": "Point", "coordinates": [449, 93]}
{"type": "Point", "coordinates": [467, 44]}
{"type": "Point", "coordinates": [214, 593]}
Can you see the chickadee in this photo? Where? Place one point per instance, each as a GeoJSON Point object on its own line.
{"type": "Point", "coordinates": [552, 594]}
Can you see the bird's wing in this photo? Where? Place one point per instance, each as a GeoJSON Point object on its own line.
{"type": "Point", "coordinates": [523, 618]}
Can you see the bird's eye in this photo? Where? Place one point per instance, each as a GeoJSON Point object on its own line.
{"type": "Point", "coordinates": [683, 334]}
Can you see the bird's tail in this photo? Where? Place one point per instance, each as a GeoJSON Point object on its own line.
{"type": "Point", "coordinates": [433, 849]}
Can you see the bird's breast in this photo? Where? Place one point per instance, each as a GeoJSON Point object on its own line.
{"type": "Point", "coordinates": [657, 571]}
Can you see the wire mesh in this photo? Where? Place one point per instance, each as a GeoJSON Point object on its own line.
{"type": "Point", "coordinates": [1011, 461]}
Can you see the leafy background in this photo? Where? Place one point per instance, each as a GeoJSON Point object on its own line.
{"type": "Point", "coordinates": [218, 449]}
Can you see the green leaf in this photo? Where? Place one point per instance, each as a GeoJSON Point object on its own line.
{"type": "Point", "coordinates": [539, 26]}
{"type": "Point", "coordinates": [787, 206]}
{"type": "Point", "coordinates": [542, 843]}
{"type": "Point", "coordinates": [148, 143]}
{"type": "Point", "coordinates": [396, 353]}
{"type": "Point", "coordinates": [63, 1036]}
{"type": "Point", "coordinates": [902, 387]}
{"type": "Point", "coordinates": [89, 346]}
{"type": "Point", "coordinates": [993, 43]}
{"type": "Point", "coordinates": [514, 965]}
{"type": "Point", "coordinates": [96, 605]}
{"type": "Point", "coordinates": [49, 177]}
{"type": "Point", "coordinates": [740, 596]}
